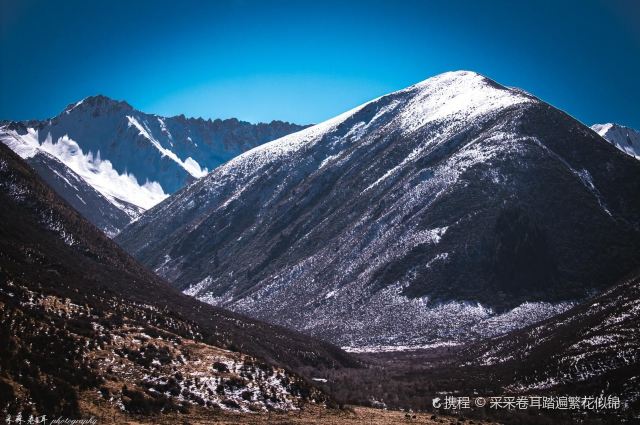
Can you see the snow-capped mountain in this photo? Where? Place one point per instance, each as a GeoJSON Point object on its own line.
{"type": "Point", "coordinates": [624, 138]}
{"type": "Point", "coordinates": [133, 159]}
{"type": "Point", "coordinates": [451, 209]}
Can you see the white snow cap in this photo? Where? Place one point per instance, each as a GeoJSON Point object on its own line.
{"type": "Point", "coordinates": [454, 95]}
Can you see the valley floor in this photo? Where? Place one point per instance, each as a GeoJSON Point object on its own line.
{"type": "Point", "coordinates": [311, 415]}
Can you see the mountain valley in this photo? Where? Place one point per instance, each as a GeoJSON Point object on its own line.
{"type": "Point", "coordinates": [80, 320]}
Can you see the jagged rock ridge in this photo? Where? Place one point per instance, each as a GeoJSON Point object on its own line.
{"type": "Point", "coordinates": [132, 159]}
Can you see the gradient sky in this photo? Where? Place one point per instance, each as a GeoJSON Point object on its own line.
{"type": "Point", "coordinates": [306, 61]}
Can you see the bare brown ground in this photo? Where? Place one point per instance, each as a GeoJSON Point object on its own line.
{"type": "Point", "coordinates": [310, 415]}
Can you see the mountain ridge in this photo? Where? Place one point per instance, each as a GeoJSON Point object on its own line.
{"type": "Point", "coordinates": [438, 203]}
{"type": "Point", "coordinates": [130, 157]}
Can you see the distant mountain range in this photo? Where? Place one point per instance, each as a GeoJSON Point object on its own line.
{"type": "Point", "coordinates": [83, 324]}
{"type": "Point", "coordinates": [453, 209]}
{"type": "Point", "coordinates": [624, 138]}
{"type": "Point", "coordinates": [131, 159]}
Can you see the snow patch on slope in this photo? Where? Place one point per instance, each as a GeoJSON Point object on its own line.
{"type": "Point", "coordinates": [189, 164]}
{"type": "Point", "coordinates": [119, 189]}
{"type": "Point", "coordinates": [624, 138]}
{"type": "Point", "coordinates": [453, 95]}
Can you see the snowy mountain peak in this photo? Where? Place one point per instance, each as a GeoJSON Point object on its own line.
{"type": "Point", "coordinates": [131, 158]}
{"type": "Point", "coordinates": [452, 76]}
{"type": "Point", "coordinates": [451, 100]}
{"type": "Point", "coordinates": [458, 94]}
{"type": "Point", "coordinates": [602, 128]}
{"type": "Point", "coordinates": [98, 102]}
{"type": "Point", "coordinates": [624, 138]}
{"type": "Point", "coordinates": [461, 82]}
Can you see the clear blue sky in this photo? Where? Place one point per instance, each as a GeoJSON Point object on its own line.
{"type": "Point", "coordinates": [306, 61]}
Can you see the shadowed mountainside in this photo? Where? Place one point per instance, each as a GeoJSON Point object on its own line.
{"type": "Point", "coordinates": [72, 300]}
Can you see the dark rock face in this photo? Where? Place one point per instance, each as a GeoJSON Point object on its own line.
{"type": "Point", "coordinates": [451, 209]}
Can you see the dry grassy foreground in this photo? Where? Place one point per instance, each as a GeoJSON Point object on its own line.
{"type": "Point", "coordinates": [311, 415]}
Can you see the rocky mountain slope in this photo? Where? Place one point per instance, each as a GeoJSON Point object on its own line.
{"type": "Point", "coordinates": [593, 347]}
{"type": "Point", "coordinates": [624, 138]}
{"type": "Point", "coordinates": [82, 322]}
{"type": "Point", "coordinates": [452, 209]}
{"type": "Point", "coordinates": [75, 190]}
{"type": "Point", "coordinates": [131, 158]}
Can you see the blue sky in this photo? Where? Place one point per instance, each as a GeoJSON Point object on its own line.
{"type": "Point", "coordinates": [306, 61]}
